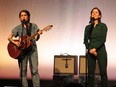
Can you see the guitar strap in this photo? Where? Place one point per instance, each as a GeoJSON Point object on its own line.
{"type": "Point", "coordinates": [28, 29]}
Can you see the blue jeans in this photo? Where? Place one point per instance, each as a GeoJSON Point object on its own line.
{"type": "Point", "coordinates": [32, 58]}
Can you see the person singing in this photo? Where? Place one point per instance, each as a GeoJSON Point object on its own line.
{"type": "Point", "coordinates": [28, 55]}
{"type": "Point", "coordinates": [94, 39]}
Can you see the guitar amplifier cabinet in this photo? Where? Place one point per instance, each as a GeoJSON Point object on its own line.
{"type": "Point", "coordinates": [82, 66]}
{"type": "Point", "coordinates": [65, 64]}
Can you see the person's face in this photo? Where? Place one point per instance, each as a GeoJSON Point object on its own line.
{"type": "Point", "coordinates": [24, 16]}
{"type": "Point", "coordinates": [95, 14]}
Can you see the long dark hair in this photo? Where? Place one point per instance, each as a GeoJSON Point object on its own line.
{"type": "Point", "coordinates": [98, 11]}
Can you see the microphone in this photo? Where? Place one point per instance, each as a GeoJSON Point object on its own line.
{"type": "Point", "coordinates": [23, 21]}
{"type": "Point", "coordinates": [92, 20]}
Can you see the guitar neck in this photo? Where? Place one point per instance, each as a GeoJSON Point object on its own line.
{"type": "Point", "coordinates": [40, 31]}
{"type": "Point", "coordinates": [31, 37]}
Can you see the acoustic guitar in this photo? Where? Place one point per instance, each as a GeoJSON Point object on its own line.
{"type": "Point", "coordinates": [15, 51]}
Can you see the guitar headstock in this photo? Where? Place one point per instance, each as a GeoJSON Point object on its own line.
{"type": "Point", "coordinates": [47, 27]}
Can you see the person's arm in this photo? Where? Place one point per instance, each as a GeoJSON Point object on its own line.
{"type": "Point", "coordinates": [37, 37]}
{"type": "Point", "coordinates": [36, 30]}
{"type": "Point", "coordinates": [12, 41]}
{"type": "Point", "coordinates": [86, 37]}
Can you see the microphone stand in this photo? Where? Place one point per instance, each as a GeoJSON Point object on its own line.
{"type": "Point", "coordinates": [21, 55]}
{"type": "Point", "coordinates": [86, 73]}
{"type": "Point", "coordinates": [86, 54]}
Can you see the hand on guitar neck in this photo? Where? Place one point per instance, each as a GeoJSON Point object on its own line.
{"type": "Point", "coordinates": [45, 29]}
{"type": "Point", "coordinates": [40, 32]}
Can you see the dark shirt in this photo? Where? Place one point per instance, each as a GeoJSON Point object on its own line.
{"type": "Point", "coordinates": [97, 37]}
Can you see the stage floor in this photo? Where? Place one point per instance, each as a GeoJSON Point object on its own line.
{"type": "Point", "coordinates": [44, 83]}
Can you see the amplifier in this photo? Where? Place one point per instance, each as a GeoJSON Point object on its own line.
{"type": "Point", "coordinates": [82, 65]}
{"type": "Point", "coordinates": [65, 64]}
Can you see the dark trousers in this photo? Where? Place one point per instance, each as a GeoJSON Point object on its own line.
{"type": "Point", "coordinates": [102, 62]}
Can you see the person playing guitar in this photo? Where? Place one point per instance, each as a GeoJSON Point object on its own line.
{"type": "Point", "coordinates": [25, 49]}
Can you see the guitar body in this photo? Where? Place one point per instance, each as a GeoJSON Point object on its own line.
{"type": "Point", "coordinates": [25, 42]}
{"type": "Point", "coordinates": [15, 51]}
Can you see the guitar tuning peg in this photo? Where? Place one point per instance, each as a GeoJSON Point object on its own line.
{"type": "Point", "coordinates": [51, 25]}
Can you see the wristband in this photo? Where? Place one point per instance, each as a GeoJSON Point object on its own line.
{"type": "Point", "coordinates": [10, 40]}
